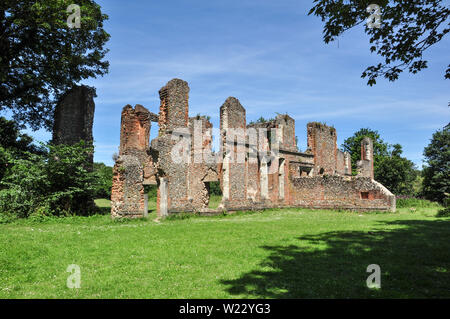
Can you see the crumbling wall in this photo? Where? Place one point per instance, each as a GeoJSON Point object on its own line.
{"type": "Point", "coordinates": [341, 190]}
{"type": "Point", "coordinates": [73, 122]}
{"type": "Point", "coordinates": [322, 143]}
{"type": "Point", "coordinates": [259, 180]}
{"type": "Point", "coordinates": [202, 170]}
{"type": "Point", "coordinates": [340, 163]}
{"type": "Point", "coordinates": [173, 122]}
{"type": "Point", "coordinates": [259, 165]}
{"type": "Point", "coordinates": [134, 166]}
{"type": "Point", "coordinates": [135, 136]}
{"type": "Point", "coordinates": [127, 195]}
{"type": "Point", "coordinates": [174, 108]}
{"type": "Point", "coordinates": [135, 129]}
{"type": "Point", "coordinates": [74, 117]}
{"type": "Point", "coordinates": [286, 125]}
{"type": "Point", "coordinates": [253, 166]}
{"type": "Point", "coordinates": [295, 165]}
{"type": "Point", "coordinates": [365, 165]}
{"type": "Point", "coordinates": [338, 192]}
{"type": "Point", "coordinates": [234, 168]}
{"type": "Point", "coordinates": [347, 164]}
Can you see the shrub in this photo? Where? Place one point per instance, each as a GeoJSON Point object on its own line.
{"type": "Point", "coordinates": [6, 218]}
{"type": "Point", "coordinates": [102, 180]}
{"type": "Point", "coordinates": [22, 186]}
{"type": "Point", "coordinates": [403, 202]}
{"type": "Point", "coordinates": [214, 188]}
{"type": "Point", "coordinates": [58, 182]}
{"type": "Point", "coordinates": [151, 190]}
{"type": "Point", "coordinates": [444, 212]}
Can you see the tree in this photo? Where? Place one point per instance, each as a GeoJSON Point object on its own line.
{"type": "Point", "coordinates": [14, 144]}
{"type": "Point", "coordinates": [436, 173]}
{"type": "Point", "coordinates": [11, 138]}
{"type": "Point", "coordinates": [103, 180]}
{"type": "Point", "coordinates": [395, 172]}
{"type": "Point", "coordinates": [41, 57]}
{"type": "Point", "coordinates": [55, 183]}
{"type": "Point", "coordinates": [352, 145]}
{"type": "Point", "coordinates": [408, 29]}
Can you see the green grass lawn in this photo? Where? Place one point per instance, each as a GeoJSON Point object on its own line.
{"type": "Point", "coordinates": [289, 253]}
{"type": "Point", "coordinates": [214, 201]}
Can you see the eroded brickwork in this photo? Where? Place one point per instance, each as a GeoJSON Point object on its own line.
{"type": "Point", "coordinates": [134, 166]}
{"type": "Point", "coordinates": [135, 129]}
{"type": "Point", "coordinates": [127, 196]}
{"type": "Point", "coordinates": [322, 142]}
{"type": "Point", "coordinates": [365, 165]}
{"type": "Point", "coordinates": [258, 165]}
{"type": "Point", "coordinates": [338, 192]}
{"type": "Point", "coordinates": [174, 109]}
{"type": "Point", "coordinates": [73, 122]}
{"type": "Point", "coordinates": [234, 172]}
{"type": "Point", "coordinates": [202, 170]}
{"type": "Point", "coordinates": [74, 116]}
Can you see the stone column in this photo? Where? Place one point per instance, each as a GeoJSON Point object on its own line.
{"type": "Point", "coordinates": [365, 165]}
{"type": "Point", "coordinates": [162, 209]}
{"type": "Point", "coordinates": [173, 129]}
{"type": "Point", "coordinates": [127, 196]}
{"type": "Point", "coordinates": [347, 164]}
{"type": "Point", "coordinates": [322, 142]}
{"type": "Point", "coordinates": [233, 129]}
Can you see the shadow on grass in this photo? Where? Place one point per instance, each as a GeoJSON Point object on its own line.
{"type": "Point", "coordinates": [103, 210]}
{"type": "Point", "coordinates": [414, 261]}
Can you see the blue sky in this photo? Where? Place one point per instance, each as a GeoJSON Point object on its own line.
{"type": "Point", "coordinates": [268, 54]}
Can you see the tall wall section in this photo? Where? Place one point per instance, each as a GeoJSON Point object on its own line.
{"type": "Point", "coordinates": [173, 169]}
{"type": "Point", "coordinates": [322, 143]}
{"type": "Point", "coordinates": [134, 165]}
{"type": "Point", "coordinates": [235, 159]}
{"type": "Point", "coordinates": [74, 116]}
{"type": "Point", "coordinates": [202, 166]}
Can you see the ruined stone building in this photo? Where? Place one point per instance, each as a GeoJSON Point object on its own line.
{"type": "Point", "coordinates": [73, 122]}
{"type": "Point", "coordinates": [74, 117]}
{"type": "Point", "coordinates": [258, 164]}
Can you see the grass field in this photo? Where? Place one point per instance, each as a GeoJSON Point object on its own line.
{"type": "Point", "coordinates": [103, 203]}
{"type": "Point", "coordinates": [272, 254]}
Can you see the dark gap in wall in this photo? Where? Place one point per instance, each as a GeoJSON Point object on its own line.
{"type": "Point", "coordinates": [215, 194]}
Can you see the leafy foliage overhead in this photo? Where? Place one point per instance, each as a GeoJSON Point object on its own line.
{"type": "Point", "coordinates": [408, 29]}
{"type": "Point", "coordinates": [41, 57]}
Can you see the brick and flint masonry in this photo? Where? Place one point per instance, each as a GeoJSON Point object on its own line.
{"type": "Point", "coordinates": [258, 165]}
